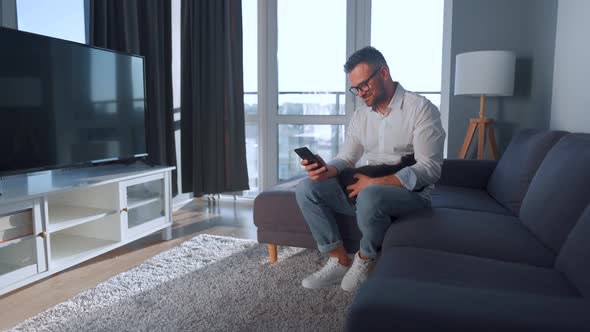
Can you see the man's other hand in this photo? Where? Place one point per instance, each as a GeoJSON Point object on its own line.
{"type": "Point", "coordinates": [362, 182]}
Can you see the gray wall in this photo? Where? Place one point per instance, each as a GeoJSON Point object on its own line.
{"type": "Point", "coordinates": [8, 13]}
{"type": "Point", "coordinates": [526, 27]}
{"type": "Point", "coordinates": [571, 99]}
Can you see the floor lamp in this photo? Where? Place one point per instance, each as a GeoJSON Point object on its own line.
{"type": "Point", "coordinates": [483, 74]}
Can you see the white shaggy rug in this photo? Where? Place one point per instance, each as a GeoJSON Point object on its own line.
{"type": "Point", "coordinates": [210, 283]}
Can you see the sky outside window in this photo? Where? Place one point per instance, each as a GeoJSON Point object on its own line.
{"type": "Point", "coordinates": [409, 34]}
{"type": "Point", "coordinates": [62, 19]}
{"type": "Point", "coordinates": [311, 45]}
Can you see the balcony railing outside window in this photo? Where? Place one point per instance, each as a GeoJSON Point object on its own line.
{"type": "Point", "coordinates": [322, 139]}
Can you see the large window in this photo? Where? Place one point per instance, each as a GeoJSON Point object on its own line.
{"type": "Point", "coordinates": [322, 139]}
{"type": "Point", "coordinates": [250, 30]}
{"type": "Point", "coordinates": [62, 19]}
{"type": "Point", "coordinates": [409, 34]}
{"type": "Point", "coordinates": [311, 80]}
{"type": "Point", "coordinates": [302, 46]}
{"type": "Point", "coordinates": [310, 58]}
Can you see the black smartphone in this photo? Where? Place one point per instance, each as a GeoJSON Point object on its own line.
{"type": "Point", "coordinates": [311, 158]}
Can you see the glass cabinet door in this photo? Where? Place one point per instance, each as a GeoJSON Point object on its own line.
{"type": "Point", "coordinates": [22, 242]}
{"type": "Point", "coordinates": [145, 204]}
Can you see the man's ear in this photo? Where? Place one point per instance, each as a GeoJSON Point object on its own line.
{"type": "Point", "coordinates": [385, 73]}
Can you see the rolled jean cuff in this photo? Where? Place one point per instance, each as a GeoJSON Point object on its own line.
{"type": "Point", "coordinates": [326, 248]}
{"type": "Point", "coordinates": [371, 256]}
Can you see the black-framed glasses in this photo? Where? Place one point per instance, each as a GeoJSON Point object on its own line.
{"type": "Point", "coordinates": [364, 85]}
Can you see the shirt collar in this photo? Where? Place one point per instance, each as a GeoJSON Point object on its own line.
{"type": "Point", "coordinates": [397, 101]}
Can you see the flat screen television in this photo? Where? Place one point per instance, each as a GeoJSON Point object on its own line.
{"type": "Point", "coordinates": [64, 103]}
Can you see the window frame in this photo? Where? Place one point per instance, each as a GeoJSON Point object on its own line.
{"type": "Point", "coordinates": [358, 14]}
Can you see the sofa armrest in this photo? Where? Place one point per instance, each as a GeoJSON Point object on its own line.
{"type": "Point", "coordinates": [467, 173]}
{"type": "Point", "coordinates": [399, 305]}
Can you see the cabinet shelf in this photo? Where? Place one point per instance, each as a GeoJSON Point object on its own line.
{"type": "Point", "coordinates": [135, 202]}
{"type": "Point", "coordinates": [11, 268]}
{"type": "Point", "coordinates": [5, 268]}
{"type": "Point", "coordinates": [66, 248]}
{"type": "Point", "coordinates": [15, 241]}
{"type": "Point", "coordinates": [65, 216]}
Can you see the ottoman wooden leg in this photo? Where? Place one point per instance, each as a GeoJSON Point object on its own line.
{"type": "Point", "coordinates": [272, 253]}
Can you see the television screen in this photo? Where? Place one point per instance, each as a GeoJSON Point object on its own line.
{"type": "Point", "coordinates": [64, 103]}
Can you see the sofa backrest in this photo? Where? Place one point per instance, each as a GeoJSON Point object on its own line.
{"type": "Point", "coordinates": [559, 191]}
{"type": "Point", "coordinates": [573, 259]}
{"type": "Point", "coordinates": [513, 174]}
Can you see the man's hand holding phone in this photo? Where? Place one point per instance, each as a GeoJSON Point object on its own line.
{"type": "Point", "coordinates": [315, 166]}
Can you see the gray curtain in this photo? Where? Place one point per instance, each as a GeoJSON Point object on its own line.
{"type": "Point", "coordinates": [143, 27]}
{"type": "Point", "coordinates": [212, 97]}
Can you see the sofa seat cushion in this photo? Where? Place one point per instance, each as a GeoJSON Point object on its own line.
{"type": "Point", "coordinates": [408, 305]}
{"type": "Point", "coordinates": [469, 232]}
{"type": "Point", "coordinates": [466, 199]}
{"type": "Point", "coordinates": [276, 212]}
{"type": "Point", "coordinates": [469, 271]}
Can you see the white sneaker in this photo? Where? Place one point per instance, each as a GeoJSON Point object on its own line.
{"type": "Point", "coordinates": [331, 274]}
{"type": "Point", "coordinates": [357, 274]}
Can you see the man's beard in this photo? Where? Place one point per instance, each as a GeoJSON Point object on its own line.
{"type": "Point", "coordinates": [378, 97]}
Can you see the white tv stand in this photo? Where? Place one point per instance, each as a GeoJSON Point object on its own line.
{"type": "Point", "coordinates": [52, 220]}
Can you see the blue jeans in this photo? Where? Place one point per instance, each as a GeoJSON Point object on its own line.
{"type": "Point", "coordinates": [375, 206]}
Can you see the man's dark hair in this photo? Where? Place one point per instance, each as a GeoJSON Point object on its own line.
{"type": "Point", "coordinates": [368, 55]}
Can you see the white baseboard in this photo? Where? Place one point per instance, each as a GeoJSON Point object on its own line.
{"type": "Point", "coordinates": [181, 200]}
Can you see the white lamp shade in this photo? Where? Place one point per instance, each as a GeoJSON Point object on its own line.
{"type": "Point", "coordinates": [488, 73]}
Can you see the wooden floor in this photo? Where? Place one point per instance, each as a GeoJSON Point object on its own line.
{"type": "Point", "coordinates": [227, 218]}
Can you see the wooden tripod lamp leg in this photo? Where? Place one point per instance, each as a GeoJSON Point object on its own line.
{"type": "Point", "coordinates": [492, 142]}
{"type": "Point", "coordinates": [481, 135]}
{"type": "Point", "coordinates": [481, 139]}
{"type": "Point", "coordinates": [481, 124]}
{"type": "Point", "coordinates": [272, 253]}
{"type": "Point", "coordinates": [468, 138]}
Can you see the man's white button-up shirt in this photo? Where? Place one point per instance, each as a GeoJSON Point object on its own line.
{"type": "Point", "coordinates": [411, 124]}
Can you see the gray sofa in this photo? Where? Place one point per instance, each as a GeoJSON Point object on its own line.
{"type": "Point", "coordinates": [505, 245]}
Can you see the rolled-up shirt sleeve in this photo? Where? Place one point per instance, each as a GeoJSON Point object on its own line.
{"type": "Point", "coordinates": [428, 140]}
{"type": "Point", "coordinates": [407, 177]}
{"type": "Point", "coordinates": [339, 164]}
